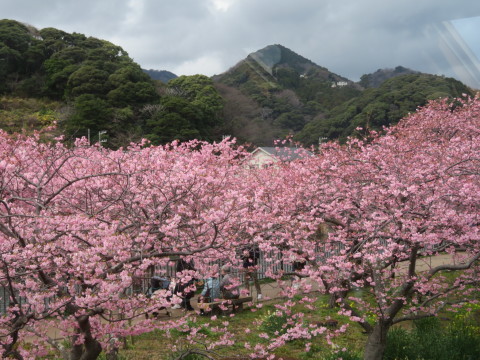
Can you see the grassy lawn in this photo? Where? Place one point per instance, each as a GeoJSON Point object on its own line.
{"type": "Point", "coordinates": [448, 328]}
{"type": "Point", "coordinates": [407, 340]}
{"type": "Point", "coordinates": [158, 344]}
{"type": "Point", "coordinates": [447, 337]}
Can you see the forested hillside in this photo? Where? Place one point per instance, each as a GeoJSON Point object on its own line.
{"type": "Point", "coordinates": [381, 75]}
{"type": "Point", "coordinates": [89, 86]}
{"type": "Point", "coordinates": [382, 106]}
{"type": "Point", "coordinates": [274, 92]}
{"type": "Point", "coordinates": [101, 87]}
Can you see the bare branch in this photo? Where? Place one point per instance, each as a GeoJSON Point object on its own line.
{"type": "Point", "coordinates": [452, 267]}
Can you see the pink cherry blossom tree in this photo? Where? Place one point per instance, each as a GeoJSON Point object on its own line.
{"type": "Point", "coordinates": [78, 224]}
{"type": "Point", "coordinates": [390, 204]}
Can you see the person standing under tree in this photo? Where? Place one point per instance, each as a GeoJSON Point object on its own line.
{"type": "Point", "coordinates": [183, 288]}
{"type": "Point", "coordinates": [250, 256]}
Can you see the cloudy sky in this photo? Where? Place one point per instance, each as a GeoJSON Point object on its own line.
{"type": "Point", "coordinates": [349, 37]}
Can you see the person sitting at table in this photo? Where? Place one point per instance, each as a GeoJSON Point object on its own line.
{"type": "Point", "coordinates": [210, 291]}
{"type": "Point", "coordinates": [228, 289]}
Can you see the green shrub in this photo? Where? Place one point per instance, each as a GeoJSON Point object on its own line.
{"type": "Point", "coordinates": [462, 341]}
{"type": "Point", "coordinates": [400, 345]}
{"type": "Point", "coordinates": [428, 340]}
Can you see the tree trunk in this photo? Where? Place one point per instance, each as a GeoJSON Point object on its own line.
{"type": "Point", "coordinates": [91, 348]}
{"type": "Point", "coordinates": [88, 351]}
{"type": "Point", "coordinates": [376, 342]}
{"type": "Point", "coordinates": [332, 301]}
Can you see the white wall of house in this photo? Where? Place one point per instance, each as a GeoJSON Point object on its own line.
{"type": "Point", "coordinates": [260, 159]}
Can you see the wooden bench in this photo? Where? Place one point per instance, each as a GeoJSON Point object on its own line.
{"type": "Point", "coordinates": [155, 314]}
{"type": "Point", "coordinates": [233, 304]}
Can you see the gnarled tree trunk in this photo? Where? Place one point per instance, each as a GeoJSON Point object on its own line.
{"type": "Point", "coordinates": [376, 342]}
{"type": "Point", "coordinates": [91, 348]}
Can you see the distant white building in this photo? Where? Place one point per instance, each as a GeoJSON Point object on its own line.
{"type": "Point", "coordinates": [266, 156]}
{"type": "Point", "coordinates": [339, 84]}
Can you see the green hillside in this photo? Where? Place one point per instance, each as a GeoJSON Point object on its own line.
{"type": "Point", "coordinates": [382, 106]}
{"type": "Point", "coordinates": [275, 92]}
{"type": "Point", "coordinates": [102, 87]}
{"type": "Point", "coordinates": [284, 91]}
{"type": "Point", "coordinates": [87, 85]}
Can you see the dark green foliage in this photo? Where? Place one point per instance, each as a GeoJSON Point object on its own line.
{"type": "Point", "coordinates": [58, 72]}
{"type": "Point", "coordinates": [429, 341]}
{"type": "Point", "coordinates": [86, 80]}
{"type": "Point", "coordinates": [132, 93]}
{"type": "Point", "coordinates": [400, 345]}
{"type": "Point", "coordinates": [382, 106]}
{"type": "Point", "coordinates": [290, 120]}
{"type": "Point", "coordinates": [288, 89]}
{"type": "Point", "coordinates": [130, 85]}
{"type": "Point", "coordinates": [177, 120]}
{"type": "Point", "coordinates": [90, 112]}
{"type": "Point", "coordinates": [21, 54]}
{"type": "Point", "coordinates": [189, 109]}
{"type": "Point", "coordinates": [288, 78]}
{"type": "Point", "coordinates": [56, 40]}
{"type": "Point", "coordinates": [106, 88]}
{"type": "Point", "coordinates": [199, 90]}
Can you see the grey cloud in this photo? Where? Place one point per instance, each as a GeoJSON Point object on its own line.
{"type": "Point", "coordinates": [349, 37]}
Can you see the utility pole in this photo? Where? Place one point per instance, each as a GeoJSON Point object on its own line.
{"type": "Point", "coordinates": [100, 140]}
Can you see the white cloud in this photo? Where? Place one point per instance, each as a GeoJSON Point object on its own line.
{"type": "Point", "coordinates": [135, 12]}
{"type": "Point", "coordinates": [222, 5]}
{"type": "Point", "coordinates": [349, 37]}
{"type": "Point", "coordinates": [207, 64]}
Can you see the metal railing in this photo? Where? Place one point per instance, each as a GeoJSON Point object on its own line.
{"type": "Point", "coordinates": [273, 262]}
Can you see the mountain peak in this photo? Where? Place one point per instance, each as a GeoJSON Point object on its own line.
{"type": "Point", "coordinates": [267, 57]}
{"type": "Point", "coordinates": [374, 80]}
{"type": "Point", "coordinates": [277, 55]}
